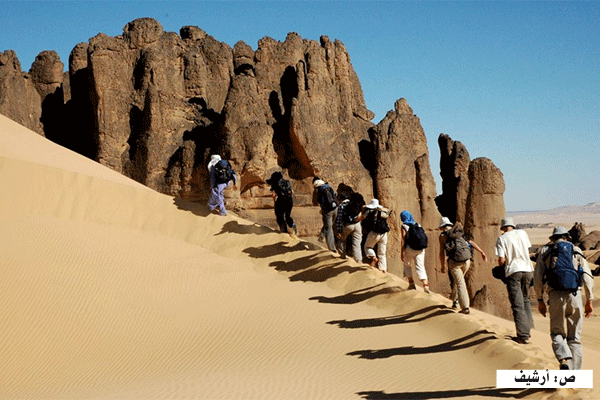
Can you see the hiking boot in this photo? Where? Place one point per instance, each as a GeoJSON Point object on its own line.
{"type": "Point", "coordinates": [455, 305]}
{"type": "Point", "coordinates": [465, 311]}
{"type": "Point", "coordinates": [522, 340]}
{"type": "Point", "coordinates": [412, 286]}
{"type": "Point", "coordinates": [564, 364]}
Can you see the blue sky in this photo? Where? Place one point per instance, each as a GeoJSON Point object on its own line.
{"type": "Point", "coordinates": [516, 82]}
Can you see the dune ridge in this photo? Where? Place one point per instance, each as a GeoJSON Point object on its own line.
{"type": "Point", "coordinates": [112, 290]}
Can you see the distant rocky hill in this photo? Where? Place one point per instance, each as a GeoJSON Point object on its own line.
{"type": "Point", "coordinates": [155, 105]}
{"type": "Point", "coordinates": [587, 213]}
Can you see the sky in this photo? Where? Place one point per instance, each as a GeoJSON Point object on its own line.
{"type": "Point", "coordinates": [515, 82]}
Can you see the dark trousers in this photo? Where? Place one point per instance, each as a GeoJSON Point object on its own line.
{"type": "Point", "coordinates": [283, 210]}
{"type": "Point", "coordinates": [518, 285]}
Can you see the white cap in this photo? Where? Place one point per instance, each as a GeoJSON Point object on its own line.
{"type": "Point", "coordinates": [318, 183]}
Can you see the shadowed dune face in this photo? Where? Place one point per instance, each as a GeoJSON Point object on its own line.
{"type": "Point", "coordinates": [111, 290]}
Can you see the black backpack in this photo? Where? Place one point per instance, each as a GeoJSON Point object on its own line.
{"type": "Point", "coordinates": [416, 238]}
{"type": "Point", "coordinates": [328, 198]}
{"type": "Point", "coordinates": [561, 274]}
{"type": "Point", "coordinates": [223, 171]}
{"type": "Point", "coordinates": [380, 224]}
{"type": "Point", "coordinates": [284, 187]}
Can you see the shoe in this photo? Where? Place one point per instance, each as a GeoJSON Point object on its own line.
{"type": "Point", "coordinates": [292, 233]}
{"type": "Point", "coordinates": [426, 288]}
{"type": "Point", "coordinates": [465, 311]}
{"type": "Point", "coordinates": [522, 340]}
{"type": "Point", "coordinates": [564, 364]}
{"type": "Point", "coordinates": [455, 304]}
{"type": "Point", "coordinates": [412, 287]}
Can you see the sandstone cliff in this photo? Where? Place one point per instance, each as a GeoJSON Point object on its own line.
{"type": "Point", "coordinates": [473, 194]}
{"type": "Point", "coordinates": [19, 99]}
{"type": "Point", "coordinates": [403, 181]}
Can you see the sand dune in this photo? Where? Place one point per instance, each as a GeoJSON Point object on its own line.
{"type": "Point", "coordinates": [111, 290]}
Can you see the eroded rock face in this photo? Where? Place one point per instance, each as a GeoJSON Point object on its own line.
{"type": "Point", "coordinates": [484, 213]}
{"type": "Point", "coordinates": [473, 193]}
{"type": "Point", "coordinates": [47, 76]}
{"type": "Point", "coordinates": [19, 100]}
{"type": "Point", "coordinates": [454, 170]}
{"type": "Point", "coordinates": [403, 181]}
{"type": "Point", "coordinates": [164, 103]}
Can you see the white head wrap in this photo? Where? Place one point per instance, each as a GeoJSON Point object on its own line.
{"type": "Point", "coordinates": [215, 158]}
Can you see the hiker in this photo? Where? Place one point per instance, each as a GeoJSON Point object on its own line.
{"type": "Point", "coordinates": [414, 242]}
{"type": "Point", "coordinates": [459, 251]}
{"type": "Point", "coordinates": [220, 174]}
{"type": "Point", "coordinates": [347, 223]}
{"type": "Point", "coordinates": [375, 222]}
{"type": "Point", "coordinates": [327, 200]}
{"type": "Point", "coordinates": [512, 249]}
{"type": "Point", "coordinates": [554, 271]}
{"type": "Point", "coordinates": [281, 190]}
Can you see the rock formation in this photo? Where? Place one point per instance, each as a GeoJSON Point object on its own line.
{"type": "Point", "coordinates": [484, 212]}
{"type": "Point", "coordinates": [19, 99]}
{"type": "Point", "coordinates": [403, 180]}
{"type": "Point", "coordinates": [473, 193]}
{"type": "Point", "coordinates": [454, 170]}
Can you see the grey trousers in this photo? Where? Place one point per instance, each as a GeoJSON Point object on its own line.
{"type": "Point", "coordinates": [355, 233]}
{"type": "Point", "coordinates": [328, 226]}
{"type": "Point", "coordinates": [518, 285]}
{"type": "Point", "coordinates": [566, 309]}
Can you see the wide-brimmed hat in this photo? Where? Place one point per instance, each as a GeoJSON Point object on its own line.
{"type": "Point", "coordinates": [374, 204]}
{"type": "Point", "coordinates": [560, 231]}
{"type": "Point", "coordinates": [445, 221]}
{"type": "Point", "coordinates": [508, 222]}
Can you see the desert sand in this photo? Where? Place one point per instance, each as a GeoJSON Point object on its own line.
{"type": "Point", "coordinates": [111, 290]}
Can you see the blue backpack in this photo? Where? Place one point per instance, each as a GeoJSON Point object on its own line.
{"type": "Point", "coordinates": [561, 274]}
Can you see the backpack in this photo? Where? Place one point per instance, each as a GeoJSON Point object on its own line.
{"type": "Point", "coordinates": [284, 187]}
{"type": "Point", "coordinates": [416, 238]}
{"type": "Point", "coordinates": [223, 171]}
{"type": "Point", "coordinates": [328, 198]}
{"type": "Point", "coordinates": [380, 224]}
{"type": "Point", "coordinates": [457, 248]}
{"type": "Point", "coordinates": [561, 274]}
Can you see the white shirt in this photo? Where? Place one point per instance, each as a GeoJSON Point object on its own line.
{"type": "Point", "coordinates": [514, 246]}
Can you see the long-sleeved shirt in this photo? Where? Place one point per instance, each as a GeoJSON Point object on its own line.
{"type": "Point", "coordinates": [543, 262]}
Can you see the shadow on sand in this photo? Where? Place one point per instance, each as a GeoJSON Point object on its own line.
{"type": "Point", "coordinates": [395, 319]}
{"type": "Point", "coordinates": [456, 344]}
{"type": "Point", "coordinates": [451, 394]}
{"type": "Point", "coordinates": [199, 209]}
{"type": "Point", "coordinates": [359, 295]}
{"type": "Point", "coordinates": [318, 265]}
